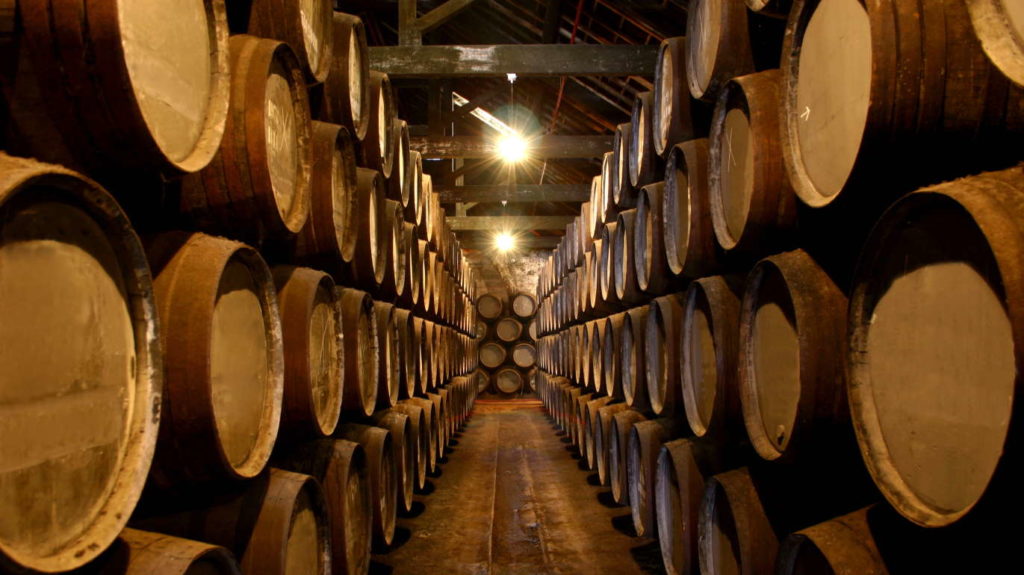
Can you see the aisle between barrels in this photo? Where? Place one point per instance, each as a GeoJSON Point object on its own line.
{"type": "Point", "coordinates": [515, 501]}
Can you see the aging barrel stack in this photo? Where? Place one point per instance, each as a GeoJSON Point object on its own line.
{"type": "Point", "coordinates": [506, 336]}
{"type": "Point", "coordinates": [235, 317]}
{"type": "Point", "coordinates": [787, 336]}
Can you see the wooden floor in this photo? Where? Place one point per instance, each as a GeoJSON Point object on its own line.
{"type": "Point", "coordinates": [513, 499]}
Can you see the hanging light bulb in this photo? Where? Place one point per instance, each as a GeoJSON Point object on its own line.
{"type": "Point", "coordinates": [512, 148]}
{"type": "Point", "coordinates": [505, 242]}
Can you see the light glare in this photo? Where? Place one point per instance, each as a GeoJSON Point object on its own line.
{"type": "Point", "coordinates": [512, 148]}
{"type": "Point", "coordinates": [505, 242]}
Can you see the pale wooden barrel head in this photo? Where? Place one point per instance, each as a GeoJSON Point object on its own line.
{"type": "Point", "coordinates": [508, 329]}
{"type": "Point", "coordinates": [508, 381]}
{"type": "Point", "coordinates": [170, 57]}
{"type": "Point", "coordinates": [523, 305]}
{"type": "Point", "coordinates": [240, 355]}
{"type": "Point", "coordinates": [736, 173]}
{"type": "Point", "coordinates": [79, 368]}
{"type": "Point", "coordinates": [356, 79]}
{"type": "Point", "coordinates": [325, 359]}
{"type": "Point", "coordinates": [700, 367]}
{"type": "Point", "coordinates": [317, 23]}
{"type": "Point", "coordinates": [489, 306]}
{"type": "Point", "coordinates": [358, 519]}
{"type": "Point", "coordinates": [524, 355]}
{"type": "Point", "coordinates": [303, 553]}
{"type": "Point", "coordinates": [771, 386]}
{"type": "Point", "coordinates": [282, 139]}
{"type": "Point", "coordinates": [936, 376]}
{"type": "Point", "coordinates": [665, 95]}
{"type": "Point", "coordinates": [492, 355]}
{"type": "Point", "coordinates": [833, 90]}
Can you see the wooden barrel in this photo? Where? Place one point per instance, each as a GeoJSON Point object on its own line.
{"type": "Point", "coordinates": [674, 117]}
{"type": "Point", "coordinates": [1000, 29]}
{"type": "Point", "coordinates": [618, 443]}
{"type": "Point", "coordinates": [346, 99]}
{"type": "Point", "coordinates": [489, 307]}
{"type": "Point", "coordinates": [611, 358]}
{"type": "Point", "coordinates": [662, 347]}
{"type": "Point", "coordinates": [221, 336]}
{"type": "Point", "coordinates": [623, 192]}
{"type": "Point", "coordinates": [492, 355]}
{"type": "Point", "coordinates": [632, 349]}
{"type": "Point", "coordinates": [308, 27]}
{"type": "Point", "coordinates": [532, 330]}
{"type": "Point", "coordinates": [734, 535]}
{"type": "Point", "coordinates": [589, 440]}
{"type": "Point", "coordinates": [408, 353]}
{"type": "Point", "coordinates": [369, 260]}
{"type": "Point", "coordinates": [606, 268]}
{"type": "Point", "coordinates": [524, 355]}
{"type": "Point", "coordinates": [430, 414]}
{"type": "Point", "coordinates": [142, 552]}
{"type": "Point", "coordinates": [328, 239]}
{"type": "Point", "coordinates": [934, 317]}
{"type": "Point", "coordinates": [709, 341]}
{"type": "Point", "coordinates": [683, 465]}
{"type": "Point", "coordinates": [404, 444]}
{"type": "Point", "coordinates": [791, 348]}
{"type": "Point", "coordinates": [392, 231]}
{"type": "Point", "coordinates": [378, 148]}
{"type": "Point", "coordinates": [258, 186]}
{"type": "Point", "coordinates": [388, 361]}
{"type": "Point", "coordinates": [341, 468]}
{"type": "Point", "coordinates": [508, 381]}
{"type": "Point", "coordinates": [361, 350]}
{"type": "Point", "coordinates": [153, 97]}
{"type": "Point", "coordinates": [524, 305]}
{"type": "Point", "coordinates": [645, 441]}
{"type": "Point", "coordinates": [690, 248]}
{"type": "Point", "coordinates": [508, 330]}
{"type": "Point", "coordinates": [419, 427]}
{"type": "Point", "coordinates": [595, 355]}
{"type": "Point", "coordinates": [578, 432]}
{"type": "Point", "coordinates": [627, 289]}
{"type": "Point", "coordinates": [643, 158]}
{"type": "Point", "coordinates": [410, 297]}
{"type": "Point", "coordinates": [609, 171]}
{"type": "Point", "coordinates": [383, 473]}
{"type": "Point", "coordinates": [82, 364]}
{"type": "Point", "coordinates": [842, 545]}
{"type": "Point", "coordinates": [441, 433]}
{"type": "Point", "coordinates": [314, 357]}
{"type": "Point", "coordinates": [653, 276]}
{"type": "Point", "coordinates": [774, 8]}
{"type": "Point", "coordinates": [752, 203]}
{"type": "Point", "coordinates": [292, 532]}
{"type": "Point", "coordinates": [423, 335]}
{"type": "Point", "coordinates": [415, 177]}
{"type": "Point", "coordinates": [717, 46]}
{"type": "Point", "coordinates": [596, 219]}
{"type": "Point", "coordinates": [895, 105]}
{"type": "Point", "coordinates": [602, 439]}
{"type": "Point", "coordinates": [399, 183]}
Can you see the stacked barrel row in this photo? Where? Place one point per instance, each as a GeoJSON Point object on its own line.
{"type": "Point", "coordinates": [773, 331]}
{"type": "Point", "coordinates": [262, 380]}
{"type": "Point", "coordinates": [506, 336]}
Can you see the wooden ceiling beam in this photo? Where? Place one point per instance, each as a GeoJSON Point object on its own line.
{"type": "Point", "coordinates": [521, 59]}
{"type": "Point", "coordinates": [539, 148]}
{"type": "Point", "coordinates": [509, 223]}
{"type": "Point", "coordinates": [519, 193]}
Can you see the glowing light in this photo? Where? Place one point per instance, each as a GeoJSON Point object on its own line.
{"type": "Point", "coordinates": [505, 242]}
{"type": "Point", "coordinates": [512, 148]}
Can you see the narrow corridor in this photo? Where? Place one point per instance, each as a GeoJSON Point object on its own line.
{"type": "Point", "coordinates": [515, 500]}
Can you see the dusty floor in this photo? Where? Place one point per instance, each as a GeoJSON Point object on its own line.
{"type": "Point", "coordinates": [512, 499]}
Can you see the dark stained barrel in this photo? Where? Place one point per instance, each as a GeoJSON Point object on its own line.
{"type": "Point", "coordinates": [383, 473]}
{"type": "Point", "coordinates": [142, 552]}
{"type": "Point", "coordinates": [346, 99]}
{"type": "Point", "coordinates": [307, 27]}
{"type": "Point", "coordinates": [633, 349]}
{"type": "Point", "coordinates": [388, 360]}
{"type": "Point", "coordinates": [734, 533]}
{"type": "Point", "coordinates": [662, 350]}
{"type": "Point", "coordinates": [368, 262]}
{"type": "Point", "coordinates": [313, 352]}
{"type": "Point", "coordinates": [838, 546]}
{"type": "Point", "coordinates": [258, 186]}
{"type": "Point", "coordinates": [717, 46]}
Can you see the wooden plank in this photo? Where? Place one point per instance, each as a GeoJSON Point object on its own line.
{"type": "Point", "coordinates": [539, 148]}
{"type": "Point", "coordinates": [441, 14]}
{"type": "Point", "coordinates": [519, 194]}
{"type": "Point", "coordinates": [520, 59]}
{"type": "Point", "coordinates": [508, 223]}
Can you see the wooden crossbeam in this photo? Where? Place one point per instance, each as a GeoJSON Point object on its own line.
{"type": "Point", "coordinates": [520, 59]}
{"type": "Point", "coordinates": [519, 194]}
{"type": "Point", "coordinates": [539, 148]}
{"type": "Point", "coordinates": [508, 223]}
{"type": "Point", "coordinates": [524, 242]}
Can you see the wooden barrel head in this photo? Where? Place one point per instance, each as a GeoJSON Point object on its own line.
{"type": "Point", "coordinates": [703, 32]}
{"type": "Point", "coordinates": [489, 306]}
{"type": "Point", "coordinates": [524, 355]}
{"type": "Point", "coordinates": [356, 78]}
{"type": "Point", "coordinates": [325, 358]}
{"type": "Point", "coordinates": [508, 381]}
{"type": "Point", "coordinates": [508, 329]}
{"type": "Point", "coordinates": [736, 172]}
{"type": "Point", "coordinates": [171, 52]}
{"type": "Point", "coordinates": [700, 365]}
{"type": "Point", "coordinates": [492, 355]}
{"type": "Point", "coordinates": [934, 358]}
{"type": "Point", "coordinates": [771, 387]}
{"type": "Point", "coordinates": [833, 89]}
{"type": "Point", "coordinates": [78, 362]}
{"type": "Point", "coordinates": [282, 136]}
{"type": "Point", "coordinates": [523, 305]}
{"type": "Point", "coordinates": [240, 351]}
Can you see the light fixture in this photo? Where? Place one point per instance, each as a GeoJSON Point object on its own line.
{"type": "Point", "coordinates": [505, 242]}
{"type": "Point", "coordinates": [512, 148]}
